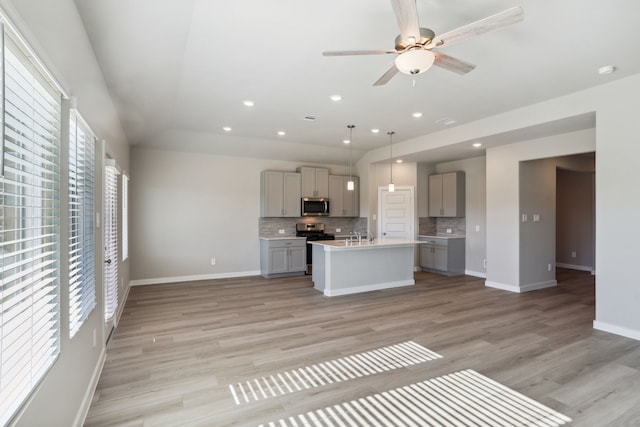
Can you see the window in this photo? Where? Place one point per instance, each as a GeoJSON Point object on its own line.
{"type": "Point", "coordinates": [82, 274]}
{"type": "Point", "coordinates": [29, 226]}
{"type": "Point", "coordinates": [125, 217]}
{"type": "Point", "coordinates": [110, 240]}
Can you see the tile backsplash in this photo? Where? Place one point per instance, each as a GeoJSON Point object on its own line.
{"type": "Point", "coordinates": [268, 227]}
{"type": "Point", "coordinates": [432, 226]}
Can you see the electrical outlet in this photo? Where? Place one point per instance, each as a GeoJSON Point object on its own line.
{"type": "Point", "coordinates": [477, 228]}
{"type": "Point", "coordinates": [536, 217]}
{"type": "Point", "coordinates": [213, 261]}
{"type": "Point", "coordinates": [281, 231]}
{"type": "Point", "coordinates": [449, 231]}
{"type": "Point", "coordinates": [574, 254]}
{"type": "Point", "coordinates": [484, 263]}
{"type": "Point", "coordinates": [548, 267]}
{"type": "Point", "coordinates": [338, 230]}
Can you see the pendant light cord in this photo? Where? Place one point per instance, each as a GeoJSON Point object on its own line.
{"type": "Point", "coordinates": [390, 156]}
{"type": "Point", "coordinates": [350, 149]}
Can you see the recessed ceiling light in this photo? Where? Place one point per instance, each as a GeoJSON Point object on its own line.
{"type": "Point", "coordinates": [477, 144]}
{"type": "Point", "coordinates": [336, 98]}
{"type": "Point", "coordinates": [446, 121]}
{"type": "Point", "coordinates": [608, 69]}
{"type": "Point", "coordinates": [281, 133]}
{"type": "Point", "coordinates": [248, 103]}
{"type": "Point", "coordinates": [417, 114]}
{"type": "Point", "coordinates": [346, 141]}
{"type": "Point", "coordinates": [399, 161]}
{"type": "Point", "coordinates": [375, 130]}
{"type": "Point", "coordinates": [226, 129]}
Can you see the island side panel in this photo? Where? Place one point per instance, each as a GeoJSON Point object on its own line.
{"type": "Point", "coordinates": [318, 270]}
{"type": "Point", "coordinates": [353, 271]}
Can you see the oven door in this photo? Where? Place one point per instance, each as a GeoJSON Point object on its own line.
{"type": "Point", "coordinates": [314, 206]}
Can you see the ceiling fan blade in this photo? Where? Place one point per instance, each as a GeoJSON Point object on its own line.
{"type": "Point", "coordinates": [407, 16]}
{"type": "Point", "coordinates": [387, 76]}
{"type": "Point", "coordinates": [499, 20]}
{"type": "Point", "coordinates": [356, 52]}
{"type": "Point", "coordinates": [452, 64]}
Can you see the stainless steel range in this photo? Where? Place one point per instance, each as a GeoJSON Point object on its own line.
{"type": "Point", "coordinates": [312, 232]}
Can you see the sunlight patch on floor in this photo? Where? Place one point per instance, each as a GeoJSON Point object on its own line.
{"type": "Point", "coordinates": [334, 371]}
{"type": "Point", "coordinates": [464, 398]}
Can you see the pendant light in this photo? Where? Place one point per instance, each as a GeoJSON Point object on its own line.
{"type": "Point", "coordinates": [350, 184]}
{"type": "Point", "coordinates": [392, 187]}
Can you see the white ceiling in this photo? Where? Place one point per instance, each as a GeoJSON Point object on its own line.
{"type": "Point", "coordinates": [179, 70]}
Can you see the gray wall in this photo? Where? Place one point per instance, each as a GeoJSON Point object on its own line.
{"type": "Point", "coordinates": [508, 199]}
{"type": "Point", "coordinates": [537, 239]}
{"type": "Point", "coordinates": [55, 32]}
{"type": "Point", "coordinates": [538, 195]}
{"type": "Point", "coordinates": [190, 207]}
{"type": "Point", "coordinates": [575, 221]}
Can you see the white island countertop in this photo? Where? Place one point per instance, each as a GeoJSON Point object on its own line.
{"type": "Point", "coordinates": [342, 267]}
{"type": "Point", "coordinates": [346, 245]}
{"type": "Point", "coordinates": [440, 236]}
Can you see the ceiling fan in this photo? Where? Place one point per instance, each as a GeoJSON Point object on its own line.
{"type": "Point", "coordinates": [415, 45]}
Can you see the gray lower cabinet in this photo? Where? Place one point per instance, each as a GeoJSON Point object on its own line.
{"type": "Point", "coordinates": [442, 255]}
{"type": "Point", "coordinates": [283, 257]}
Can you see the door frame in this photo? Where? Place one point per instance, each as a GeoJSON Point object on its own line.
{"type": "Point", "coordinates": [380, 218]}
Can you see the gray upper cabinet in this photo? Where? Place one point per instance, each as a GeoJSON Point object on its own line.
{"type": "Point", "coordinates": [315, 181]}
{"type": "Point", "coordinates": [280, 194]}
{"type": "Point", "coordinates": [344, 203]}
{"type": "Point", "coordinates": [446, 195]}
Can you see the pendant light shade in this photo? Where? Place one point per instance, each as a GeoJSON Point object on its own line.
{"type": "Point", "coordinates": [350, 183]}
{"type": "Point", "coordinates": [392, 187]}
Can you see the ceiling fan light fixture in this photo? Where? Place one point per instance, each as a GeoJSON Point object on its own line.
{"type": "Point", "coordinates": [415, 61]}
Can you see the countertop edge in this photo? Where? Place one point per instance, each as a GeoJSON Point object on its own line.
{"type": "Point", "coordinates": [282, 238]}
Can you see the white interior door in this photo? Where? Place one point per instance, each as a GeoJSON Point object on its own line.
{"type": "Point", "coordinates": [396, 217]}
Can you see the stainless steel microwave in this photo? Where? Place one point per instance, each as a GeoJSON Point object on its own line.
{"type": "Point", "coordinates": [314, 206]}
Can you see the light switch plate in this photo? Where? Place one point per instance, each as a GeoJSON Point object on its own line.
{"type": "Point", "coordinates": [524, 218]}
{"type": "Point", "coordinates": [536, 217]}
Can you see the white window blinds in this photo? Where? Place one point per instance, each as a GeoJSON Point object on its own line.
{"type": "Point", "coordinates": [110, 240]}
{"type": "Point", "coordinates": [125, 217]}
{"type": "Point", "coordinates": [29, 243]}
{"type": "Point", "coordinates": [82, 274]}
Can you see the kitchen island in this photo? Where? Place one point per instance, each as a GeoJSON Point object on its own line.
{"type": "Point", "coordinates": [341, 267]}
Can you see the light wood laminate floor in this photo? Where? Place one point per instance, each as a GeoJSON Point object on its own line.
{"type": "Point", "coordinates": [179, 346]}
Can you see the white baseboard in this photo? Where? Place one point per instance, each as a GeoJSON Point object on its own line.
{"type": "Point", "coordinates": [476, 273]}
{"type": "Point", "coordinates": [574, 266]}
{"type": "Point", "coordinates": [618, 330]}
{"type": "Point", "coordinates": [161, 280]}
{"type": "Point", "coordinates": [520, 289]}
{"type": "Point", "coordinates": [91, 389]}
{"type": "Point", "coordinates": [540, 285]}
{"type": "Point", "coordinates": [368, 288]}
{"type": "Point", "coordinates": [502, 286]}
{"type": "Point", "coordinates": [121, 307]}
